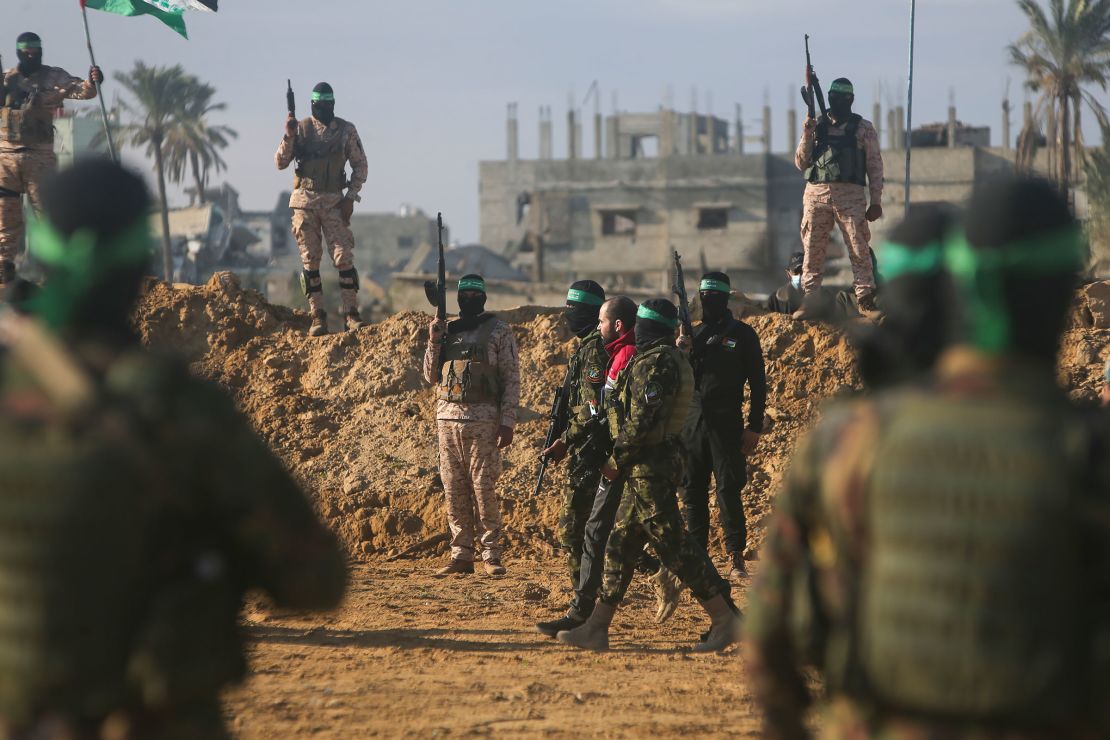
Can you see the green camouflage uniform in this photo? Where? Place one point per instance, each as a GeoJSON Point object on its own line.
{"type": "Point", "coordinates": [587, 377]}
{"type": "Point", "coordinates": [132, 523]}
{"type": "Point", "coordinates": [916, 560]}
{"type": "Point", "coordinates": [645, 422]}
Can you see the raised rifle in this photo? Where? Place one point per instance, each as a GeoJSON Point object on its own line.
{"type": "Point", "coordinates": [437, 291]}
{"type": "Point", "coordinates": [558, 418]}
{"type": "Point", "coordinates": [290, 98]}
{"type": "Point", "coordinates": [812, 91]}
{"type": "Point", "coordinates": [679, 288]}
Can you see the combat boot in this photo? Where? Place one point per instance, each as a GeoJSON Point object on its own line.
{"type": "Point", "coordinates": [353, 320]}
{"type": "Point", "coordinates": [456, 567]}
{"type": "Point", "coordinates": [668, 590]}
{"type": "Point", "coordinates": [563, 624]}
{"type": "Point", "coordinates": [594, 632]}
{"type": "Point", "coordinates": [739, 567]}
{"type": "Point", "coordinates": [814, 308]}
{"type": "Point", "coordinates": [724, 627]}
{"type": "Point", "coordinates": [319, 323]}
{"type": "Point", "coordinates": [494, 568]}
{"type": "Point", "coordinates": [867, 306]}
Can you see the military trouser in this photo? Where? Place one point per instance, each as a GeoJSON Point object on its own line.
{"type": "Point", "coordinates": [308, 226]}
{"type": "Point", "coordinates": [648, 513]}
{"type": "Point", "coordinates": [714, 449]}
{"type": "Point", "coordinates": [603, 513]}
{"type": "Point", "coordinates": [846, 209]}
{"type": "Point", "coordinates": [469, 465]}
{"type": "Point", "coordinates": [578, 499]}
{"type": "Point", "coordinates": [21, 173]}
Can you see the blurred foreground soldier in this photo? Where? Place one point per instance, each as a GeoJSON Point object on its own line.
{"type": "Point", "coordinates": [940, 552]}
{"type": "Point", "coordinates": [322, 145]}
{"type": "Point", "coordinates": [725, 356]}
{"type": "Point", "coordinates": [31, 93]}
{"type": "Point", "coordinates": [136, 503]}
{"type": "Point", "coordinates": [839, 154]}
{"type": "Point", "coordinates": [653, 401]}
{"type": "Point", "coordinates": [473, 362]}
{"type": "Point", "coordinates": [788, 298]}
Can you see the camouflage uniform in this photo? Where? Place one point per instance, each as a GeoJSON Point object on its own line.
{"type": "Point", "coordinates": [826, 204]}
{"type": "Point", "coordinates": [647, 454]}
{"type": "Point", "coordinates": [315, 212]}
{"type": "Point", "coordinates": [25, 163]}
{"type": "Point", "coordinates": [134, 514]}
{"type": "Point", "coordinates": [469, 461]}
{"type": "Point", "coordinates": [587, 378]}
{"type": "Point", "coordinates": [922, 490]}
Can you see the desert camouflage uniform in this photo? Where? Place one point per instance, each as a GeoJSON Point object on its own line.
{"type": "Point", "coordinates": [839, 203]}
{"type": "Point", "coordinates": [807, 596]}
{"type": "Point", "coordinates": [469, 461]}
{"type": "Point", "coordinates": [587, 369]}
{"type": "Point", "coordinates": [314, 212]}
{"type": "Point", "coordinates": [649, 462]}
{"type": "Point", "coordinates": [24, 166]}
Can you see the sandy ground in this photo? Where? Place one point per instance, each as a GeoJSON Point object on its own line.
{"type": "Point", "coordinates": [411, 654]}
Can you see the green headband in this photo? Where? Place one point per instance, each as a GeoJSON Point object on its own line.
{"type": "Point", "coordinates": [841, 87]}
{"type": "Point", "coordinates": [24, 45]}
{"type": "Point", "coordinates": [472, 284]}
{"type": "Point", "coordinates": [980, 272]}
{"type": "Point", "coordinates": [643, 312]}
{"type": "Point", "coordinates": [582, 296]}
{"type": "Point", "coordinates": [717, 285]}
{"type": "Point", "coordinates": [77, 264]}
{"type": "Point", "coordinates": [324, 97]}
{"type": "Point", "coordinates": [899, 259]}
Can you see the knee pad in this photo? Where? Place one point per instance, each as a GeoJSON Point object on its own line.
{"type": "Point", "coordinates": [310, 282]}
{"type": "Point", "coordinates": [5, 193]}
{"type": "Point", "coordinates": [348, 279]}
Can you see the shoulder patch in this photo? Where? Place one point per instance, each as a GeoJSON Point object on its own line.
{"type": "Point", "coordinates": [728, 343]}
{"type": "Point", "coordinates": [594, 374]}
{"type": "Point", "coordinates": [653, 394]}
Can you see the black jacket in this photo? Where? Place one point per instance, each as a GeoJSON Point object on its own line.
{"type": "Point", "coordinates": [725, 356]}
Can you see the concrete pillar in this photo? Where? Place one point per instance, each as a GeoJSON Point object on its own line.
{"type": "Point", "coordinates": [547, 150]}
{"type": "Point", "coordinates": [597, 135]}
{"type": "Point", "coordinates": [900, 125]}
{"type": "Point", "coordinates": [877, 121]}
{"type": "Point", "coordinates": [1005, 125]}
{"type": "Point", "coordinates": [766, 129]}
{"type": "Point", "coordinates": [512, 136]}
{"type": "Point", "coordinates": [613, 145]}
{"type": "Point", "coordinates": [792, 127]}
{"type": "Point", "coordinates": [668, 133]}
{"type": "Point", "coordinates": [891, 130]}
{"type": "Point", "coordinates": [951, 127]}
{"type": "Point", "coordinates": [739, 130]}
{"type": "Point", "coordinates": [572, 135]}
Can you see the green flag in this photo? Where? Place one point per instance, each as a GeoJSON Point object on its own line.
{"type": "Point", "coordinates": [170, 12]}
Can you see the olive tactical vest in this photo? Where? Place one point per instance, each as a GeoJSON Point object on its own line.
{"type": "Point", "coordinates": [676, 405]}
{"type": "Point", "coordinates": [837, 155]}
{"type": "Point", "coordinates": [467, 376]}
{"type": "Point", "coordinates": [26, 126]}
{"type": "Point", "coordinates": [320, 164]}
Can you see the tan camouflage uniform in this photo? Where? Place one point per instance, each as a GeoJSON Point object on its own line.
{"type": "Point", "coordinates": [314, 213]}
{"type": "Point", "coordinates": [24, 166]}
{"type": "Point", "coordinates": [838, 203]}
{"type": "Point", "coordinates": [469, 461]}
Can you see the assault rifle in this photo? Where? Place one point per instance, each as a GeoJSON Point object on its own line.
{"type": "Point", "coordinates": [679, 288]}
{"type": "Point", "coordinates": [558, 418]}
{"type": "Point", "coordinates": [290, 98]}
{"type": "Point", "coordinates": [437, 291]}
{"type": "Point", "coordinates": [812, 90]}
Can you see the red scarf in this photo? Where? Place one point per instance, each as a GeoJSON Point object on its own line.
{"type": "Point", "coordinates": [621, 351]}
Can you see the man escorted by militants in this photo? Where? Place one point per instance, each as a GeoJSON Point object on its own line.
{"type": "Point", "coordinates": [617, 331]}
{"type": "Point", "coordinates": [941, 552]}
{"type": "Point", "coordinates": [322, 145]}
{"type": "Point", "coordinates": [473, 363]}
{"type": "Point", "coordinates": [788, 298]}
{"type": "Point", "coordinates": [136, 504]}
{"type": "Point", "coordinates": [726, 356]}
{"type": "Point", "coordinates": [30, 95]}
{"type": "Point", "coordinates": [651, 408]}
{"type": "Point", "coordinates": [839, 154]}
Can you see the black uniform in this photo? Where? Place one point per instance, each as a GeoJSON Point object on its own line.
{"type": "Point", "coordinates": [787, 299]}
{"type": "Point", "coordinates": [725, 356]}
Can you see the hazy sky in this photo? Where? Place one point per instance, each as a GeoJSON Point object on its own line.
{"type": "Point", "coordinates": [427, 81]}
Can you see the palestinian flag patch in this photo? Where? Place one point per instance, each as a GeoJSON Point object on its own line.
{"type": "Point", "coordinates": [728, 343]}
{"type": "Point", "coordinates": [653, 394]}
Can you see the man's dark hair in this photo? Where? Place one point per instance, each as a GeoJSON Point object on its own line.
{"type": "Point", "coordinates": [622, 308]}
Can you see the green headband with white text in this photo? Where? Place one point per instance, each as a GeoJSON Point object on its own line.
{"type": "Point", "coordinates": [472, 284]}
{"type": "Point", "coordinates": [717, 285]}
{"type": "Point", "coordinates": [581, 296]}
{"type": "Point", "coordinates": [643, 312]}
{"type": "Point", "coordinates": [323, 97]}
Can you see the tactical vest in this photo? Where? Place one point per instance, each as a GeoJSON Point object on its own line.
{"type": "Point", "coordinates": [26, 126]}
{"type": "Point", "coordinates": [466, 375]}
{"type": "Point", "coordinates": [971, 594]}
{"type": "Point", "coordinates": [676, 405]}
{"type": "Point", "coordinates": [320, 164]}
{"type": "Point", "coordinates": [837, 154]}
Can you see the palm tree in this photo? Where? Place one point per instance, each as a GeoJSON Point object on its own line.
{"type": "Point", "coordinates": [157, 114]}
{"type": "Point", "coordinates": [1065, 49]}
{"type": "Point", "coordinates": [195, 145]}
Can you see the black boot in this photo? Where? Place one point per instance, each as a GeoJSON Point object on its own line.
{"type": "Point", "coordinates": [563, 624]}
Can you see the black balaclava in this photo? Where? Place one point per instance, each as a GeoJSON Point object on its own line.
{"type": "Point", "coordinates": [714, 291]}
{"type": "Point", "coordinates": [28, 63]}
{"type": "Point", "coordinates": [656, 320]}
{"type": "Point", "coordinates": [584, 301]}
{"type": "Point", "coordinates": [841, 97]}
{"type": "Point", "coordinates": [323, 103]}
{"type": "Point", "coordinates": [471, 307]}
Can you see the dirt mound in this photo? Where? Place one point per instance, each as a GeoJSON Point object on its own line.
{"type": "Point", "coordinates": [352, 418]}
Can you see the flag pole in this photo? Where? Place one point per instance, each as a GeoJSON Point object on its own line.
{"type": "Point", "coordinates": [99, 95]}
{"type": "Point", "coordinates": [909, 111]}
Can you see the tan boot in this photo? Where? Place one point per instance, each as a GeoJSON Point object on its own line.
{"type": "Point", "coordinates": [456, 567]}
{"type": "Point", "coordinates": [319, 323]}
{"type": "Point", "coordinates": [867, 306]}
{"type": "Point", "coordinates": [724, 628]}
{"type": "Point", "coordinates": [668, 590]}
{"type": "Point", "coordinates": [353, 320]}
{"type": "Point", "coordinates": [494, 568]}
{"type": "Point", "coordinates": [594, 634]}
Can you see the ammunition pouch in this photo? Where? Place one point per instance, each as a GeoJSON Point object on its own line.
{"type": "Point", "coordinates": [320, 164]}
{"type": "Point", "coordinates": [5, 193]}
{"type": "Point", "coordinates": [26, 126]}
{"type": "Point", "coordinates": [348, 279]}
{"type": "Point", "coordinates": [467, 376]}
{"type": "Point", "coordinates": [838, 157]}
{"type": "Point", "coordinates": [310, 282]}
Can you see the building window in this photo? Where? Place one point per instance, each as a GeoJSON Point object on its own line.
{"type": "Point", "coordinates": [405, 242]}
{"type": "Point", "coordinates": [712, 218]}
{"type": "Point", "coordinates": [618, 223]}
